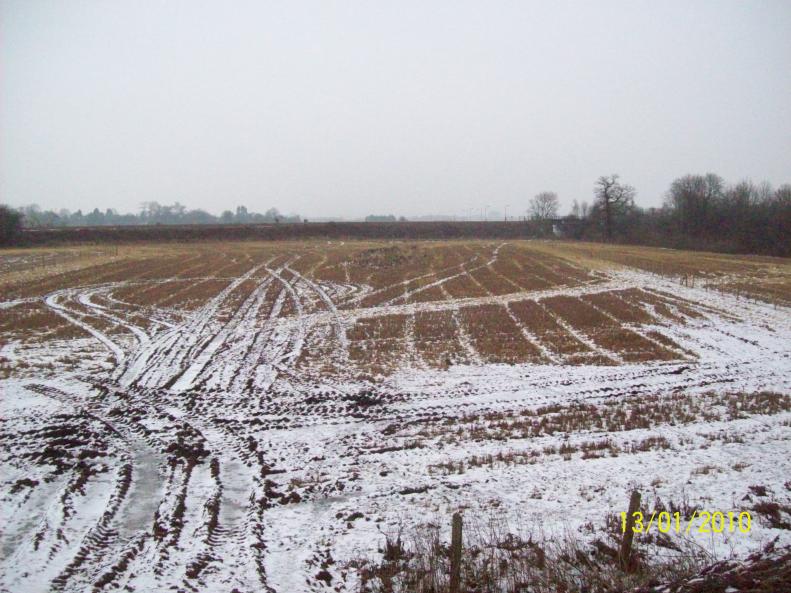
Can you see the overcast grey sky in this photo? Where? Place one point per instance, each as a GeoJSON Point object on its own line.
{"type": "Point", "coordinates": [348, 108]}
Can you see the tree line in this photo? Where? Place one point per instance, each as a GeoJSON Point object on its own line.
{"type": "Point", "coordinates": [384, 218]}
{"type": "Point", "coordinates": [699, 212]}
{"type": "Point", "coordinates": [150, 213]}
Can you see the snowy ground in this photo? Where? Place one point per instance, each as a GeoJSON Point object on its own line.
{"type": "Point", "coordinates": [206, 450]}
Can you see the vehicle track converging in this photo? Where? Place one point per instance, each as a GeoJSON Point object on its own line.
{"type": "Point", "coordinates": [238, 430]}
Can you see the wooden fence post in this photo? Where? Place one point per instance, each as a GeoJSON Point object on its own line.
{"type": "Point", "coordinates": [625, 555]}
{"type": "Point", "coordinates": [455, 554]}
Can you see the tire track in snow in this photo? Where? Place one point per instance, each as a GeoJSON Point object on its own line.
{"type": "Point", "coordinates": [241, 318]}
{"type": "Point", "coordinates": [164, 360]}
{"type": "Point", "coordinates": [52, 302]}
{"type": "Point", "coordinates": [340, 330]}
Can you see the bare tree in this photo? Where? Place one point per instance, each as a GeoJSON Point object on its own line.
{"type": "Point", "coordinates": [544, 205]}
{"type": "Point", "coordinates": [579, 211]}
{"type": "Point", "coordinates": [693, 199]}
{"type": "Point", "coordinates": [613, 199]}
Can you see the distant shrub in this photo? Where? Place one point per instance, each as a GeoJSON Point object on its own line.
{"type": "Point", "coordinates": [10, 225]}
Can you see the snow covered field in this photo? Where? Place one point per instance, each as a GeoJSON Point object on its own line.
{"type": "Point", "coordinates": [254, 417]}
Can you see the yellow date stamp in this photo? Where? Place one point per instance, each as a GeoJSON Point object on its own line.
{"type": "Point", "coordinates": [699, 522]}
